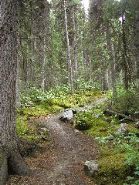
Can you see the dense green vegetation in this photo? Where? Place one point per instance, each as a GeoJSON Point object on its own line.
{"type": "Point", "coordinates": [36, 103]}
{"type": "Point", "coordinates": [118, 154]}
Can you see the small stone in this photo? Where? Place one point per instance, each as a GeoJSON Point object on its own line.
{"type": "Point", "coordinates": [44, 129]}
{"type": "Point", "coordinates": [137, 125]}
{"type": "Point", "coordinates": [76, 131]}
{"type": "Point", "coordinates": [67, 115]}
{"type": "Point", "coordinates": [91, 167]}
{"type": "Point", "coordinates": [136, 114]}
{"type": "Point", "coordinates": [123, 129]}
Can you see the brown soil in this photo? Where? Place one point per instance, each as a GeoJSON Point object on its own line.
{"type": "Point", "coordinates": [62, 161]}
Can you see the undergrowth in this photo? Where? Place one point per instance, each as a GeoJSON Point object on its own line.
{"type": "Point", "coordinates": [118, 153]}
{"type": "Point", "coordinates": [125, 100]}
{"type": "Point", "coordinates": [36, 103]}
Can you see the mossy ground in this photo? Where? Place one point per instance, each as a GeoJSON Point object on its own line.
{"type": "Point", "coordinates": [46, 106]}
{"type": "Point", "coordinates": [113, 170]}
{"type": "Point", "coordinates": [112, 167]}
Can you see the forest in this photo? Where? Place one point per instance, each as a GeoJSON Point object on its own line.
{"type": "Point", "coordinates": [69, 92]}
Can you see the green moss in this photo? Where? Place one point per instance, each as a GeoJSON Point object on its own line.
{"type": "Point", "coordinates": [112, 167]}
{"type": "Point", "coordinates": [97, 123]}
{"type": "Point", "coordinates": [21, 125]}
{"type": "Point", "coordinates": [43, 106]}
{"type": "Point", "coordinates": [112, 164]}
{"type": "Point", "coordinates": [77, 99]}
{"type": "Point", "coordinates": [101, 128]}
{"type": "Point", "coordinates": [34, 111]}
{"type": "Point", "coordinates": [29, 131]}
{"type": "Point", "coordinates": [131, 128]}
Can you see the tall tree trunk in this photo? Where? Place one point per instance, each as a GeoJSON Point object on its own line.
{"type": "Point", "coordinates": [137, 41]}
{"type": "Point", "coordinates": [8, 67]}
{"type": "Point", "coordinates": [46, 47]}
{"type": "Point", "coordinates": [104, 80]}
{"type": "Point", "coordinates": [69, 63]}
{"type": "Point", "coordinates": [43, 66]}
{"type": "Point", "coordinates": [124, 56]}
{"type": "Point", "coordinates": [110, 47]}
{"type": "Point", "coordinates": [75, 49]}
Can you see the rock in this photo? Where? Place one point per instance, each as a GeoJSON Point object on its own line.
{"type": "Point", "coordinates": [90, 167]}
{"type": "Point", "coordinates": [43, 133]}
{"type": "Point", "coordinates": [76, 131]}
{"type": "Point", "coordinates": [74, 111]}
{"type": "Point", "coordinates": [123, 129]}
{"type": "Point", "coordinates": [44, 129]}
{"type": "Point", "coordinates": [67, 115]}
{"type": "Point", "coordinates": [122, 120]}
{"type": "Point", "coordinates": [137, 125]}
{"type": "Point", "coordinates": [136, 115]}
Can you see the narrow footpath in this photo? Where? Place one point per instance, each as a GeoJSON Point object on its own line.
{"type": "Point", "coordinates": [62, 162]}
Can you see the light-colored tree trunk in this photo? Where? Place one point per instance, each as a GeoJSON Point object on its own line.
{"type": "Point", "coordinates": [104, 80]}
{"type": "Point", "coordinates": [69, 63]}
{"type": "Point", "coordinates": [8, 67]}
{"type": "Point", "coordinates": [110, 47]}
{"type": "Point", "coordinates": [137, 41]}
{"type": "Point", "coordinates": [125, 64]}
{"type": "Point", "coordinates": [43, 65]}
{"type": "Point", "coordinates": [75, 48]}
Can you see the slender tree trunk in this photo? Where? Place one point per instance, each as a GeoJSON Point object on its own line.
{"type": "Point", "coordinates": [124, 55]}
{"type": "Point", "coordinates": [8, 67]}
{"type": "Point", "coordinates": [104, 80]}
{"type": "Point", "coordinates": [43, 65]}
{"type": "Point", "coordinates": [75, 49]}
{"type": "Point", "coordinates": [69, 63]}
{"type": "Point", "coordinates": [137, 42]}
{"type": "Point", "coordinates": [110, 47]}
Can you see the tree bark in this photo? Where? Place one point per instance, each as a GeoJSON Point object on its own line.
{"type": "Point", "coordinates": [8, 72]}
{"type": "Point", "coordinates": [110, 47]}
{"type": "Point", "coordinates": [137, 41]}
{"type": "Point", "coordinates": [69, 63]}
{"type": "Point", "coordinates": [43, 66]}
{"type": "Point", "coordinates": [124, 56]}
{"type": "Point", "coordinates": [75, 49]}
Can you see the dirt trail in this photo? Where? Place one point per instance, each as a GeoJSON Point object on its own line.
{"type": "Point", "coordinates": [61, 163]}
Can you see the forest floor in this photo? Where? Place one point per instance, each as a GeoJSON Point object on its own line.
{"type": "Point", "coordinates": [61, 162]}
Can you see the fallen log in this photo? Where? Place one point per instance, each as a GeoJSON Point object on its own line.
{"type": "Point", "coordinates": [120, 116]}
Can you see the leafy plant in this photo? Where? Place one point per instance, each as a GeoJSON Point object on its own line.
{"type": "Point", "coordinates": [132, 159]}
{"type": "Point", "coordinates": [126, 100]}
